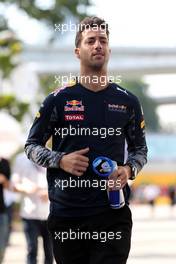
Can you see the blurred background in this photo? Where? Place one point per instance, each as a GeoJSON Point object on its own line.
{"type": "Point", "coordinates": [35, 53]}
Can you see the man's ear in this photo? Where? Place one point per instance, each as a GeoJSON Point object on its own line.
{"type": "Point", "coordinates": [77, 53]}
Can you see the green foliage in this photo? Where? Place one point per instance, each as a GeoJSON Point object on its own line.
{"type": "Point", "coordinates": [47, 84]}
{"type": "Point", "coordinates": [3, 23]}
{"type": "Point", "coordinates": [13, 106]}
{"type": "Point", "coordinates": [52, 14]}
{"type": "Point", "coordinates": [10, 46]}
{"type": "Point", "coordinates": [140, 89]}
{"type": "Point", "coordinates": [56, 13]}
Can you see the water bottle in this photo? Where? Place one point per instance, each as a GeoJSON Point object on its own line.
{"type": "Point", "coordinates": [104, 167]}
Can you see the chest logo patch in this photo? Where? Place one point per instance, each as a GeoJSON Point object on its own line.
{"type": "Point", "coordinates": [74, 105]}
{"type": "Point", "coordinates": [117, 108]}
{"type": "Point", "coordinates": [73, 117]}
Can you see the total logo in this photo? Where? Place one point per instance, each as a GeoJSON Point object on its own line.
{"type": "Point", "coordinates": [73, 117]}
{"type": "Point", "coordinates": [74, 105]}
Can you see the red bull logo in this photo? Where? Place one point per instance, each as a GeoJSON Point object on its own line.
{"type": "Point", "coordinates": [74, 105]}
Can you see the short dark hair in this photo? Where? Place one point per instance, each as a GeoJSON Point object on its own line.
{"type": "Point", "coordinates": [90, 22]}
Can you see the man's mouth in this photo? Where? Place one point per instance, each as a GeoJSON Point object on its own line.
{"type": "Point", "coordinates": [98, 54]}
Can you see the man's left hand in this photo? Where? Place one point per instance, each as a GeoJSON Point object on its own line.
{"type": "Point", "coordinates": [121, 176]}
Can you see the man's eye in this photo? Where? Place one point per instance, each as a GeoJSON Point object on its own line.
{"type": "Point", "coordinates": [103, 41]}
{"type": "Point", "coordinates": [91, 41]}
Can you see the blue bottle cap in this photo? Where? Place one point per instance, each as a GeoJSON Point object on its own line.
{"type": "Point", "coordinates": [103, 166]}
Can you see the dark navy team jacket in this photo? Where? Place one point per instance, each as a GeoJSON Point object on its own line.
{"type": "Point", "coordinates": [110, 122]}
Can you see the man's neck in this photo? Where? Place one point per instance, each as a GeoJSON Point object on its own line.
{"type": "Point", "coordinates": [94, 80]}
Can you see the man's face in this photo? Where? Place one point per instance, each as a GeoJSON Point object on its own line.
{"type": "Point", "coordinates": [93, 50]}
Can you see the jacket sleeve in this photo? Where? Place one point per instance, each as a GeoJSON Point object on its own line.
{"type": "Point", "coordinates": [40, 132]}
{"type": "Point", "coordinates": [135, 137]}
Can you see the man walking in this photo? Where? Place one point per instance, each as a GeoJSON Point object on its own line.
{"type": "Point", "coordinates": [89, 119]}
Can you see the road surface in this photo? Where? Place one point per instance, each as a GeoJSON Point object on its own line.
{"type": "Point", "coordinates": [153, 239]}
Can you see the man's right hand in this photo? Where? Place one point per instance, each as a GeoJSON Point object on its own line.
{"type": "Point", "coordinates": [75, 162]}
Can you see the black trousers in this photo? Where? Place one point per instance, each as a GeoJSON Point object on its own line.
{"type": "Point", "coordinates": [100, 239]}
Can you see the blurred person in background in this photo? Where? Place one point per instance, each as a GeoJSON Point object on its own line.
{"type": "Point", "coordinates": [9, 199]}
{"type": "Point", "coordinates": [171, 193]}
{"type": "Point", "coordinates": [151, 193]}
{"type": "Point", "coordinates": [4, 183]}
{"type": "Point", "coordinates": [172, 198]}
{"type": "Point", "coordinates": [30, 180]}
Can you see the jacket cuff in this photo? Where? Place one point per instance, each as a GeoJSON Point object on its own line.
{"type": "Point", "coordinates": [57, 159]}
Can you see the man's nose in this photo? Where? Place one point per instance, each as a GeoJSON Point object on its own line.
{"type": "Point", "coordinates": [98, 45]}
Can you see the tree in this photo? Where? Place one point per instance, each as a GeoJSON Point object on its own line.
{"type": "Point", "coordinates": [13, 106]}
{"type": "Point", "coordinates": [10, 46]}
{"type": "Point", "coordinates": [55, 12]}
{"type": "Point", "coordinates": [140, 89]}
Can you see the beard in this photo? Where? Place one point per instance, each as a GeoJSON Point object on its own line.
{"type": "Point", "coordinates": [97, 65]}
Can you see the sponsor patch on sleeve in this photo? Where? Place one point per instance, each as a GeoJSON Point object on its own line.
{"type": "Point", "coordinates": [142, 124]}
{"type": "Point", "coordinates": [37, 115]}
